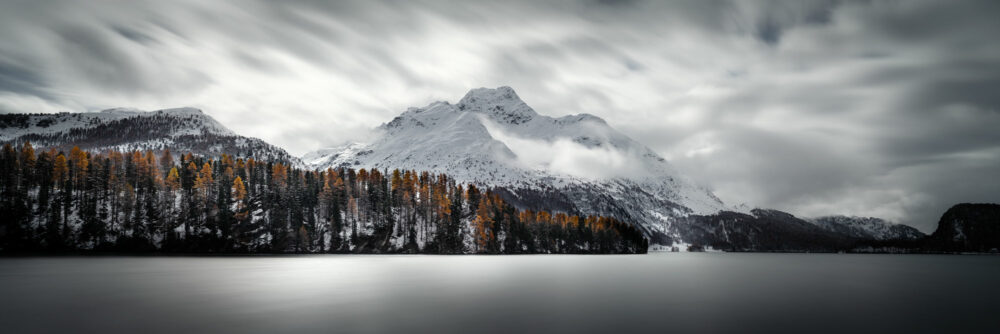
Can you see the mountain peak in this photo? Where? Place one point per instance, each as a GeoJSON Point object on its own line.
{"type": "Point", "coordinates": [491, 138]}
{"type": "Point", "coordinates": [502, 92]}
{"type": "Point", "coordinates": [502, 103]}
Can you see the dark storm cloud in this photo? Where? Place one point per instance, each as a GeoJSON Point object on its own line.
{"type": "Point", "coordinates": [885, 108]}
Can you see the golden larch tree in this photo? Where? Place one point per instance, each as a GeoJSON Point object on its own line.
{"type": "Point", "coordinates": [482, 225]}
{"type": "Point", "coordinates": [239, 197]}
{"type": "Point", "coordinates": [60, 169]}
{"type": "Point", "coordinates": [173, 181]}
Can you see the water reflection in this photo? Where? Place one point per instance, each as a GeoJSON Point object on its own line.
{"type": "Point", "coordinates": [500, 294]}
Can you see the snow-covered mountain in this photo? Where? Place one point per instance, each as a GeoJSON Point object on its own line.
{"type": "Point", "coordinates": [867, 228]}
{"type": "Point", "coordinates": [574, 163]}
{"type": "Point", "coordinates": [179, 129]}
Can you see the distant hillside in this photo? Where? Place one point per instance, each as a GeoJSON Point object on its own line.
{"type": "Point", "coordinates": [180, 130]}
{"type": "Point", "coordinates": [867, 228]}
{"type": "Point", "coordinates": [967, 228]}
{"type": "Point", "coordinates": [761, 230]}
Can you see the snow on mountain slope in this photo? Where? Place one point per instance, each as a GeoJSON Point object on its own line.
{"type": "Point", "coordinates": [492, 138]}
{"type": "Point", "coordinates": [195, 122]}
{"type": "Point", "coordinates": [125, 129]}
{"type": "Point", "coordinates": [867, 228]}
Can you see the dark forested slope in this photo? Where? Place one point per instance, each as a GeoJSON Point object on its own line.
{"type": "Point", "coordinates": [145, 202]}
{"type": "Point", "coordinates": [967, 227]}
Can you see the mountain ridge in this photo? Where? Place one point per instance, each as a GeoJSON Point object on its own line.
{"type": "Point", "coordinates": [581, 164]}
{"type": "Point", "coordinates": [493, 138]}
{"type": "Point", "coordinates": [867, 227]}
{"type": "Point", "coordinates": [182, 129]}
{"type": "Point", "coordinates": [577, 164]}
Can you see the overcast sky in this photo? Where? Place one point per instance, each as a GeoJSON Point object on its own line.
{"type": "Point", "coordinates": [885, 109]}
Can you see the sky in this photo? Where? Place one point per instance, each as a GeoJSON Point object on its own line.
{"type": "Point", "coordinates": [870, 108]}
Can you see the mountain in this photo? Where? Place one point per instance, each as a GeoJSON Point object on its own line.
{"type": "Point", "coordinates": [577, 163]}
{"type": "Point", "coordinates": [179, 129]}
{"type": "Point", "coordinates": [870, 228]}
{"type": "Point", "coordinates": [761, 230]}
{"type": "Point", "coordinates": [967, 228]}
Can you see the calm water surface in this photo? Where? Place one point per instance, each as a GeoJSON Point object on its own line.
{"type": "Point", "coordinates": [656, 293]}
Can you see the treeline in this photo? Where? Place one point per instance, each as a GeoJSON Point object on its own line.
{"type": "Point", "coordinates": [146, 202]}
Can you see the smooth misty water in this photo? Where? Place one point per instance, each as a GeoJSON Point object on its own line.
{"type": "Point", "coordinates": [502, 294]}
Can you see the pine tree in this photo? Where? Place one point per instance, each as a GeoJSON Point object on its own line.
{"type": "Point", "coordinates": [27, 166]}
{"type": "Point", "coordinates": [13, 205]}
{"type": "Point", "coordinates": [89, 200]}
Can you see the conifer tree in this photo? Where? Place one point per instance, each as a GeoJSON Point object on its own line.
{"type": "Point", "coordinates": [173, 181]}
{"type": "Point", "coordinates": [482, 223]}
{"type": "Point", "coordinates": [133, 202]}
{"type": "Point", "coordinates": [166, 161]}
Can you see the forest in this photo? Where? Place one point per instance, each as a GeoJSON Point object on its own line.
{"type": "Point", "coordinates": [154, 202]}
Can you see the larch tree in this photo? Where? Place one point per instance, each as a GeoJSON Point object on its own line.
{"type": "Point", "coordinates": [173, 181]}
{"type": "Point", "coordinates": [166, 161]}
{"type": "Point", "coordinates": [481, 225]}
{"type": "Point", "coordinates": [241, 213]}
{"type": "Point", "coordinates": [126, 202]}
{"type": "Point", "coordinates": [60, 169]}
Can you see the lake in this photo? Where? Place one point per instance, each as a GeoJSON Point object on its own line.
{"type": "Point", "coordinates": [655, 293]}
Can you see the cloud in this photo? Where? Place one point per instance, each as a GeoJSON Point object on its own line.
{"type": "Point", "coordinates": [562, 155]}
{"type": "Point", "coordinates": [882, 108]}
